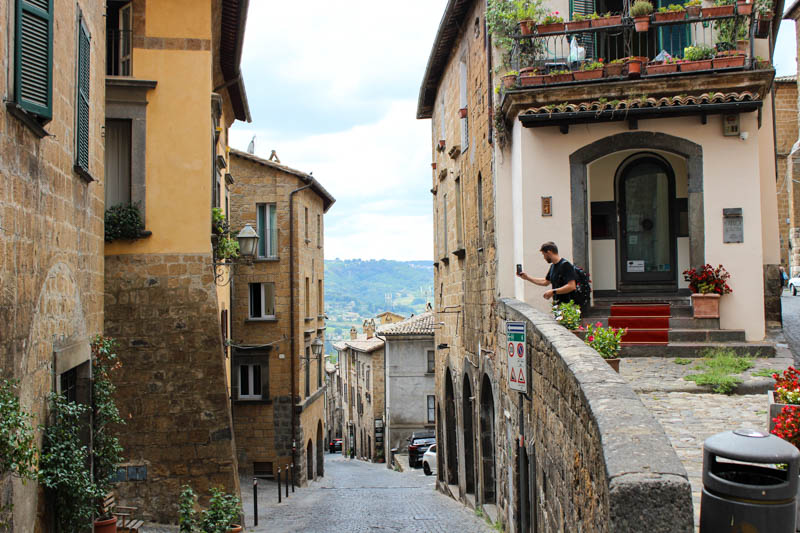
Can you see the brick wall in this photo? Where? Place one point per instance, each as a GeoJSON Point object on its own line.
{"type": "Point", "coordinates": [786, 128]}
{"type": "Point", "coordinates": [51, 232]}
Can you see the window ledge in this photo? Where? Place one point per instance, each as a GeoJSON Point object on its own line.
{"type": "Point", "coordinates": [266, 260]}
{"type": "Point", "coordinates": [445, 260]}
{"type": "Point", "coordinates": [27, 119]}
{"type": "Point", "coordinates": [245, 401]}
{"type": "Point", "coordinates": [264, 319]}
{"type": "Point", "coordinates": [460, 252]}
{"type": "Point", "coordinates": [83, 173]}
{"type": "Point", "coordinates": [308, 318]}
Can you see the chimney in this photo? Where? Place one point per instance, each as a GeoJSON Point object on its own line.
{"type": "Point", "coordinates": [353, 333]}
{"type": "Point", "coordinates": [369, 327]}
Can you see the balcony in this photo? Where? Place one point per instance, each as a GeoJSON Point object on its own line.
{"type": "Point", "coordinates": [588, 71]}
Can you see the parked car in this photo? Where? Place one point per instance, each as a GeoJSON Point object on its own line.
{"type": "Point", "coordinates": [418, 444]}
{"type": "Point", "coordinates": [794, 285]}
{"type": "Point", "coordinates": [429, 460]}
{"type": "Point", "coordinates": [335, 445]}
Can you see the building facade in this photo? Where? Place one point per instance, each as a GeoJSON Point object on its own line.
{"type": "Point", "coordinates": [410, 378]}
{"type": "Point", "coordinates": [635, 178]}
{"type": "Point", "coordinates": [786, 135]}
{"type": "Point", "coordinates": [173, 90]}
{"type": "Point", "coordinates": [51, 214]}
{"type": "Point", "coordinates": [278, 310]}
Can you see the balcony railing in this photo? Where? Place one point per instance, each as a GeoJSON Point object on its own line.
{"type": "Point", "coordinates": [607, 49]}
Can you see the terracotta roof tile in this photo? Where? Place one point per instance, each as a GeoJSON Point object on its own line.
{"type": "Point", "coordinates": [421, 324]}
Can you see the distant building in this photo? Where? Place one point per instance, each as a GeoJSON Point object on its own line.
{"type": "Point", "coordinates": [388, 317]}
{"type": "Point", "coordinates": [410, 378]}
{"type": "Point", "coordinates": [787, 148]}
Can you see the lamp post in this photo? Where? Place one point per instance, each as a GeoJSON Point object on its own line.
{"type": "Point", "coordinates": [248, 241]}
{"type": "Point", "coordinates": [317, 346]}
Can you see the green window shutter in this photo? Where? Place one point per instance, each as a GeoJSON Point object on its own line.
{"type": "Point", "coordinates": [262, 233]}
{"type": "Point", "coordinates": [82, 107]}
{"type": "Point", "coordinates": [585, 8]}
{"type": "Point", "coordinates": [33, 57]}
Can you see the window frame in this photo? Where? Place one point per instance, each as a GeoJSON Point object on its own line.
{"type": "Point", "coordinates": [431, 408]}
{"type": "Point", "coordinates": [267, 234]}
{"type": "Point", "coordinates": [264, 315]}
{"type": "Point", "coordinates": [251, 373]}
{"type": "Point", "coordinates": [430, 361]}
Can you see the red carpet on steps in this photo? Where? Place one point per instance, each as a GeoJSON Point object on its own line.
{"type": "Point", "coordinates": [646, 323]}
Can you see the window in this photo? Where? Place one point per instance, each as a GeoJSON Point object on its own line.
{"type": "Point", "coordinates": [118, 162]}
{"type": "Point", "coordinates": [262, 300]}
{"type": "Point", "coordinates": [459, 225]}
{"type": "Point", "coordinates": [444, 224]}
{"type": "Point", "coordinates": [480, 208]}
{"type": "Point", "coordinates": [431, 361]}
{"type": "Point", "coordinates": [250, 382]}
{"type": "Point", "coordinates": [33, 58]}
{"type": "Point", "coordinates": [308, 297]}
{"type": "Point", "coordinates": [366, 380]}
{"type": "Point", "coordinates": [319, 231]}
{"type": "Point", "coordinates": [320, 366]}
{"type": "Point", "coordinates": [69, 385]}
{"type": "Point", "coordinates": [223, 322]}
{"type": "Point", "coordinates": [308, 371]}
{"type": "Point", "coordinates": [431, 409]}
{"type": "Point", "coordinates": [306, 225]}
{"type": "Point", "coordinates": [267, 230]}
{"type": "Point", "coordinates": [118, 38]}
{"type": "Point", "coordinates": [463, 101]}
{"type": "Point", "coordinates": [320, 298]}
{"type": "Point", "coordinates": [82, 105]}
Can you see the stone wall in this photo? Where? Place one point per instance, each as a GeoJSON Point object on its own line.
{"type": "Point", "coordinates": [772, 295]}
{"type": "Point", "coordinates": [172, 389]}
{"type": "Point", "coordinates": [786, 130]}
{"type": "Point", "coordinates": [599, 460]}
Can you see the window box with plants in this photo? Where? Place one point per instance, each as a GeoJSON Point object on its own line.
{"type": "Point", "coordinates": [728, 59]}
{"type": "Point", "coordinates": [509, 80]}
{"type": "Point", "coordinates": [764, 16]}
{"type": "Point", "coordinates": [670, 13]}
{"type": "Point", "coordinates": [578, 22]}
{"type": "Point", "coordinates": [693, 8]}
{"type": "Point", "coordinates": [123, 222]}
{"type": "Point", "coordinates": [559, 76]}
{"type": "Point", "coordinates": [761, 63]}
{"type": "Point", "coordinates": [721, 8]}
{"type": "Point", "coordinates": [531, 76]}
{"type": "Point", "coordinates": [552, 23]}
{"type": "Point", "coordinates": [600, 21]}
{"type": "Point", "coordinates": [697, 57]}
{"type": "Point", "coordinates": [785, 392]}
{"type": "Point", "coordinates": [663, 67]}
{"type": "Point", "coordinates": [615, 67]}
{"type": "Point", "coordinates": [744, 7]}
{"type": "Point", "coordinates": [589, 71]}
{"type": "Point", "coordinates": [707, 284]}
{"type": "Point", "coordinates": [641, 11]}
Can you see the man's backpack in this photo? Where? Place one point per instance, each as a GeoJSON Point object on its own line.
{"type": "Point", "coordinates": [583, 287]}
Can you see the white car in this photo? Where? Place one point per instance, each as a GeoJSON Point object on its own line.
{"type": "Point", "coordinates": [429, 461]}
{"type": "Point", "coordinates": [794, 285]}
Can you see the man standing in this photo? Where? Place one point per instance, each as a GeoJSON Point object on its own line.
{"type": "Point", "coordinates": [561, 275]}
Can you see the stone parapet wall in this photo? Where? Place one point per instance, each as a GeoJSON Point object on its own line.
{"type": "Point", "coordinates": [172, 389]}
{"type": "Point", "coordinates": [602, 462]}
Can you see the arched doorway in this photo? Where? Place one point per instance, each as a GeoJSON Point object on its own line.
{"type": "Point", "coordinates": [320, 448]}
{"type": "Point", "coordinates": [647, 244]}
{"type": "Point", "coordinates": [450, 430]}
{"type": "Point", "coordinates": [487, 440]}
{"type": "Point", "coordinates": [469, 436]}
{"type": "Point", "coordinates": [310, 460]}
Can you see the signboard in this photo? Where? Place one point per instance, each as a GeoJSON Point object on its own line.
{"type": "Point", "coordinates": [517, 357]}
{"type": "Point", "coordinates": [547, 206]}
{"type": "Point", "coordinates": [732, 225]}
{"type": "Point", "coordinates": [636, 266]}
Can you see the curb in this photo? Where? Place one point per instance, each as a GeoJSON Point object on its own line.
{"type": "Point", "coordinates": [748, 386]}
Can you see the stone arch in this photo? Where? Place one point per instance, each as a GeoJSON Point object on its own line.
{"type": "Point", "coordinates": [450, 429]}
{"type": "Point", "coordinates": [320, 448]}
{"type": "Point", "coordinates": [469, 435]}
{"type": "Point", "coordinates": [488, 440]}
{"type": "Point", "coordinates": [636, 140]}
{"type": "Point", "coordinates": [310, 460]}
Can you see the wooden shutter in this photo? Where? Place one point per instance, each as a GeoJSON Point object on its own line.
{"type": "Point", "coordinates": [265, 379]}
{"type": "Point", "coordinates": [585, 8]}
{"type": "Point", "coordinates": [82, 105]}
{"type": "Point", "coordinates": [33, 57]}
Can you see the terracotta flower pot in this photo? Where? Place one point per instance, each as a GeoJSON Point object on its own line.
{"type": "Point", "coordinates": [642, 23]}
{"type": "Point", "coordinates": [532, 80]}
{"type": "Point", "coordinates": [718, 11]}
{"type": "Point", "coordinates": [634, 68]}
{"type": "Point", "coordinates": [728, 61]}
{"type": "Point", "coordinates": [661, 68]}
{"type": "Point", "coordinates": [614, 69]}
{"type": "Point", "coordinates": [691, 66]}
{"type": "Point", "coordinates": [744, 8]}
{"type": "Point", "coordinates": [558, 78]}
{"type": "Point", "coordinates": [613, 363]}
{"type": "Point", "coordinates": [693, 11]}
{"type": "Point", "coordinates": [705, 305]}
{"type": "Point", "coordinates": [614, 20]}
{"type": "Point", "coordinates": [578, 25]}
{"type": "Point", "coordinates": [761, 65]}
{"type": "Point", "coordinates": [108, 525]}
{"type": "Point", "coordinates": [550, 28]}
{"type": "Point", "coordinates": [526, 27]}
{"type": "Point", "coordinates": [775, 409]}
{"type": "Point", "coordinates": [235, 529]}
{"type": "Point", "coordinates": [462, 113]}
{"type": "Point", "coordinates": [582, 75]}
{"type": "Point", "coordinates": [509, 81]}
{"type": "Point", "coordinates": [669, 16]}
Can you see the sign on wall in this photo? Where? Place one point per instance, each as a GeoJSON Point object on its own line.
{"type": "Point", "coordinates": [517, 356]}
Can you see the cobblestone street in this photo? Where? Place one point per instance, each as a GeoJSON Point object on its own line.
{"type": "Point", "coordinates": [358, 496]}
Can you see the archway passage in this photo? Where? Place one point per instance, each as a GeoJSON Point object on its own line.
{"type": "Point", "coordinates": [310, 460]}
{"type": "Point", "coordinates": [320, 448]}
{"type": "Point", "coordinates": [487, 440]}
{"type": "Point", "coordinates": [469, 437]}
{"type": "Point", "coordinates": [450, 430]}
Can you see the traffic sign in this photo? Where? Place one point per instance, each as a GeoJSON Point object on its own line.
{"type": "Point", "coordinates": [517, 356]}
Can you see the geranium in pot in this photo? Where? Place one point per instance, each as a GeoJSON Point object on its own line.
{"type": "Point", "coordinates": [552, 23]}
{"type": "Point", "coordinates": [607, 341]}
{"type": "Point", "coordinates": [785, 392]}
{"type": "Point", "coordinates": [707, 284]}
{"type": "Point", "coordinates": [568, 314]}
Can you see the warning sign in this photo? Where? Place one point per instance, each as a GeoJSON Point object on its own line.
{"type": "Point", "coordinates": [517, 360]}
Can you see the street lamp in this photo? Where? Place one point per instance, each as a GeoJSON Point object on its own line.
{"type": "Point", "coordinates": [317, 346]}
{"type": "Point", "coordinates": [248, 240]}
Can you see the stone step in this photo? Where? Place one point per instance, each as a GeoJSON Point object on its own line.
{"type": "Point", "coordinates": [706, 335]}
{"type": "Point", "coordinates": [676, 310]}
{"type": "Point", "coordinates": [680, 322]}
{"type": "Point", "coordinates": [696, 349]}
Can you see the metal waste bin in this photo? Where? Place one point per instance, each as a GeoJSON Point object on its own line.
{"type": "Point", "coordinates": [742, 491]}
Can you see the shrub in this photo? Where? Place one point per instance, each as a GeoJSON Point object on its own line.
{"type": "Point", "coordinates": [698, 52]}
{"type": "Point", "coordinates": [641, 8]}
{"type": "Point", "coordinates": [606, 341]}
{"type": "Point", "coordinates": [123, 221]}
{"type": "Point", "coordinates": [707, 279]}
{"type": "Point", "coordinates": [568, 314]}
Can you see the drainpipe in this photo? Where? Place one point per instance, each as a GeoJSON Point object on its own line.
{"type": "Point", "coordinates": [291, 317]}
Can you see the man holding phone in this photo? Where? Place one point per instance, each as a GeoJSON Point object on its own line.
{"type": "Point", "coordinates": [561, 275]}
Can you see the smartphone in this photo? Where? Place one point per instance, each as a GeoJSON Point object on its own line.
{"type": "Point", "coordinates": [519, 269]}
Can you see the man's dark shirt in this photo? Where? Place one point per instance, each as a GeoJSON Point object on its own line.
{"type": "Point", "coordinates": [559, 275]}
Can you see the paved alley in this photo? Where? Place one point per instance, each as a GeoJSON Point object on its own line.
{"type": "Point", "coordinates": [357, 496]}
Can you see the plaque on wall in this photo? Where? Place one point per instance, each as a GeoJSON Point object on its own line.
{"type": "Point", "coordinates": [547, 206]}
{"type": "Point", "coordinates": [636, 266]}
{"type": "Point", "coordinates": [732, 225]}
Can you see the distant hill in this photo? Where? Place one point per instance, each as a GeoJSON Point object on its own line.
{"type": "Point", "coordinates": [356, 290]}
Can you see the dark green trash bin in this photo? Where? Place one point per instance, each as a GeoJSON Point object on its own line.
{"type": "Point", "coordinates": [742, 490]}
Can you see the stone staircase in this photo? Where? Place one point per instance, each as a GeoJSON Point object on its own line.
{"type": "Point", "coordinates": [661, 325]}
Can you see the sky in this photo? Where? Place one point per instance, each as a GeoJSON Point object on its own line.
{"type": "Point", "coordinates": [333, 87]}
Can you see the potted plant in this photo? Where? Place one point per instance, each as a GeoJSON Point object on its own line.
{"type": "Point", "coordinates": [761, 63]}
{"type": "Point", "coordinates": [589, 71]}
{"type": "Point", "coordinates": [559, 76]}
{"type": "Point", "coordinates": [764, 15]}
{"type": "Point", "coordinates": [607, 341]}
{"type": "Point", "coordinates": [640, 11]}
{"type": "Point", "coordinates": [693, 8]}
{"type": "Point", "coordinates": [697, 57]}
{"type": "Point", "coordinates": [578, 22]}
{"type": "Point", "coordinates": [785, 392]}
{"type": "Point", "coordinates": [728, 59]}
{"type": "Point", "coordinates": [634, 66]}
{"type": "Point", "coordinates": [509, 81]}
{"type": "Point", "coordinates": [614, 67]}
{"type": "Point", "coordinates": [527, 15]}
{"type": "Point", "coordinates": [223, 511]}
{"type": "Point", "coordinates": [721, 8]}
{"type": "Point", "coordinates": [744, 7]}
{"type": "Point", "coordinates": [707, 284]}
{"type": "Point", "coordinates": [605, 20]}
{"type": "Point", "coordinates": [531, 76]}
{"type": "Point", "coordinates": [663, 67]}
{"type": "Point", "coordinates": [670, 13]}
{"type": "Point", "coordinates": [123, 221]}
{"type": "Point", "coordinates": [568, 314]}
{"type": "Point", "coordinates": [552, 23]}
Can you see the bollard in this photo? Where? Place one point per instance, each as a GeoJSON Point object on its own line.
{"type": "Point", "coordinates": [287, 481]}
{"type": "Point", "coordinates": [292, 477]}
{"type": "Point", "coordinates": [279, 484]}
{"type": "Point", "coordinates": [255, 502]}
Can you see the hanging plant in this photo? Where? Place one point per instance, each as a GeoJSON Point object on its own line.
{"type": "Point", "coordinates": [123, 221]}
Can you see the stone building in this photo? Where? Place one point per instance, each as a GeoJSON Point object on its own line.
{"type": "Point", "coordinates": [173, 90]}
{"type": "Point", "coordinates": [388, 317]}
{"type": "Point", "coordinates": [634, 189]}
{"type": "Point", "coordinates": [410, 378]}
{"type": "Point", "coordinates": [51, 213]}
{"type": "Point", "coordinates": [277, 311]}
{"type": "Point", "coordinates": [786, 135]}
{"type": "Point", "coordinates": [361, 367]}
{"type": "Point", "coordinates": [333, 402]}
